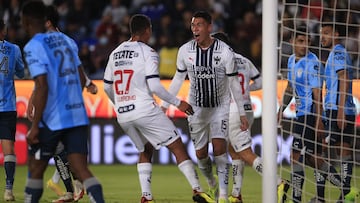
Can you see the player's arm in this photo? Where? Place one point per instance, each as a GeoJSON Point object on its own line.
{"type": "Point", "coordinates": [19, 63]}
{"type": "Point", "coordinates": [238, 98]}
{"type": "Point", "coordinates": [108, 80]}
{"type": "Point", "coordinates": [317, 92]}
{"type": "Point", "coordinates": [343, 89]}
{"type": "Point", "coordinates": [108, 88]}
{"type": "Point", "coordinates": [255, 77]}
{"type": "Point", "coordinates": [256, 84]}
{"type": "Point", "coordinates": [178, 78]}
{"type": "Point", "coordinates": [288, 95]}
{"type": "Point", "coordinates": [89, 85]}
{"type": "Point", "coordinates": [39, 99]}
{"type": "Point", "coordinates": [156, 87]}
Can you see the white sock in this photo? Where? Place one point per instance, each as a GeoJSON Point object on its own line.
{"type": "Point", "coordinates": [258, 165]}
{"type": "Point", "coordinates": [205, 166]}
{"type": "Point", "coordinates": [238, 172]}
{"type": "Point", "coordinates": [56, 177]}
{"type": "Point", "coordinates": [223, 166]}
{"type": "Point", "coordinates": [144, 171]}
{"type": "Point", "coordinates": [188, 169]}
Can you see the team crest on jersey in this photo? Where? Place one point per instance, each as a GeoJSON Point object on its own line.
{"type": "Point", "coordinates": [217, 60]}
{"type": "Point", "coordinates": [299, 72]}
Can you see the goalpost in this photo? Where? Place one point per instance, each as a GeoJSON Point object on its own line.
{"type": "Point", "coordinates": [268, 122]}
{"type": "Point", "coordinates": [277, 30]}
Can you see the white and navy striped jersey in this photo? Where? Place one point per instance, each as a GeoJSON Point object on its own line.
{"type": "Point", "coordinates": [52, 54]}
{"type": "Point", "coordinates": [246, 72]}
{"type": "Point", "coordinates": [208, 72]}
{"type": "Point", "coordinates": [11, 64]}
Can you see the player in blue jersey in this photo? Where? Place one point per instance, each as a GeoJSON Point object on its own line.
{"type": "Point", "coordinates": [59, 110]}
{"type": "Point", "coordinates": [11, 64]}
{"type": "Point", "coordinates": [305, 80]}
{"type": "Point", "coordinates": [339, 104]}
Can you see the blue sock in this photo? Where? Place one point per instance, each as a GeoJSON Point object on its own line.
{"type": "Point", "coordinates": [33, 190]}
{"type": "Point", "coordinates": [94, 190]}
{"type": "Point", "coordinates": [9, 165]}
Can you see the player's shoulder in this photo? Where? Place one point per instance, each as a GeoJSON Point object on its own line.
{"type": "Point", "coordinates": [36, 41]}
{"type": "Point", "coordinates": [221, 46]}
{"type": "Point", "coordinates": [312, 56]}
{"type": "Point", "coordinates": [291, 58]}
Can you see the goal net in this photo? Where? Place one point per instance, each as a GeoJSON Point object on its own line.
{"type": "Point", "coordinates": [343, 17]}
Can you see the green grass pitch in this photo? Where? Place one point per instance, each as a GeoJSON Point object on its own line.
{"type": "Point", "coordinates": [121, 185]}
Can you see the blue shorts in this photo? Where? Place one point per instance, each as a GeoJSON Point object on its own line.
{"type": "Point", "coordinates": [304, 135]}
{"type": "Point", "coordinates": [336, 134]}
{"type": "Point", "coordinates": [8, 125]}
{"type": "Point", "coordinates": [75, 140]}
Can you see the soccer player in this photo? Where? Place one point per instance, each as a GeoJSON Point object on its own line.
{"type": "Point", "coordinates": [130, 80]}
{"type": "Point", "coordinates": [339, 105]}
{"type": "Point", "coordinates": [305, 80]}
{"type": "Point", "coordinates": [240, 141]}
{"type": "Point", "coordinates": [11, 64]}
{"type": "Point", "coordinates": [209, 64]}
{"type": "Point", "coordinates": [246, 72]}
{"type": "Point", "coordinates": [59, 111]}
{"type": "Point", "coordinates": [74, 188]}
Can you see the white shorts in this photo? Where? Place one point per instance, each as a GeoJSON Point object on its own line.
{"type": "Point", "coordinates": [240, 140]}
{"type": "Point", "coordinates": [157, 129]}
{"type": "Point", "coordinates": [208, 123]}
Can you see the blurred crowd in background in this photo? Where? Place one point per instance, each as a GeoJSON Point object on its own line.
{"type": "Point", "coordinates": [98, 26]}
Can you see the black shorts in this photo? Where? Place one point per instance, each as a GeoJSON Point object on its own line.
{"type": "Point", "coordinates": [304, 135]}
{"type": "Point", "coordinates": [75, 140]}
{"type": "Point", "coordinates": [336, 134]}
{"type": "Point", "coordinates": [8, 125]}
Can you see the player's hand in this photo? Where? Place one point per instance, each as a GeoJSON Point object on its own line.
{"type": "Point", "coordinates": [92, 88]}
{"type": "Point", "coordinates": [30, 111]}
{"type": "Point", "coordinates": [164, 109]}
{"type": "Point", "coordinates": [32, 136]}
{"type": "Point", "coordinates": [341, 120]}
{"type": "Point", "coordinates": [244, 123]}
{"type": "Point", "coordinates": [186, 108]}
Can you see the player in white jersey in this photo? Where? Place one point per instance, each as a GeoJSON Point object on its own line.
{"type": "Point", "coordinates": [240, 141]}
{"type": "Point", "coordinates": [209, 64]}
{"type": "Point", "coordinates": [130, 80]}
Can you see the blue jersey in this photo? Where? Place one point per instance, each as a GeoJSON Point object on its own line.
{"type": "Point", "coordinates": [11, 64]}
{"type": "Point", "coordinates": [304, 75]}
{"type": "Point", "coordinates": [51, 54]}
{"type": "Point", "coordinates": [338, 60]}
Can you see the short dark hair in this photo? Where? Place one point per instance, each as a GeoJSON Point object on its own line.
{"type": "Point", "coordinates": [338, 27]}
{"type": "Point", "coordinates": [52, 15]}
{"type": "Point", "coordinates": [203, 14]}
{"type": "Point", "coordinates": [222, 36]}
{"type": "Point", "coordinates": [34, 9]}
{"type": "Point", "coordinates": [301, 31]}
{"type": "Point", "coordinates": [139, 23]}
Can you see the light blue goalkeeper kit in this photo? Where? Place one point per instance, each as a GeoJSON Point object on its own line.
{"type": "Point", "coordinates": [11, 64]}
{"type": "Point", "coordinates": [338, 60]}
{"type": "Point", "coordinates": [305, 75]}
{"type": "Point", "coordinates": [49, 53]}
